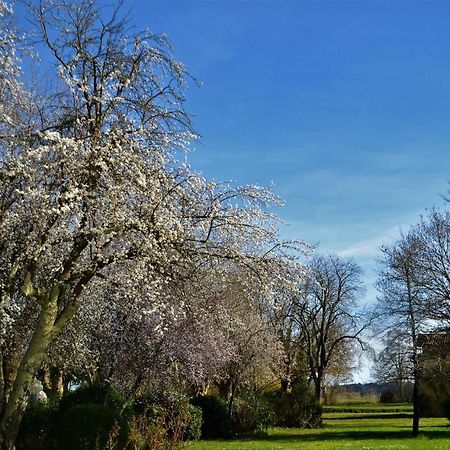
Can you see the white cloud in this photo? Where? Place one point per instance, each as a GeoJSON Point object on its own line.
{"type": "Point", "coordinates": [368, 248]}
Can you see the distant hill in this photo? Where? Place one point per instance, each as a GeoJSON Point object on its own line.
{"type": "Point", "coordinates": [365, 389]}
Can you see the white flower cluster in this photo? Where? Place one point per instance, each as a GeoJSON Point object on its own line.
{"type": "Point", "coordinates": [115, 258]}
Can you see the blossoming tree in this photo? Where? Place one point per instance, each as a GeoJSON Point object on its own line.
{"type": "Point", "coordinates": [97, 217]}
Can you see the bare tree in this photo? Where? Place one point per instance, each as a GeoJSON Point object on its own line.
{"type": "Point", "coordinates": [433, 232]}
{"type": "Point", "coordinates": [328, 315]}
{"type": "Point", "coordinates": [402, 301]}
{"type": "Point", "coordinates": [394, 363]}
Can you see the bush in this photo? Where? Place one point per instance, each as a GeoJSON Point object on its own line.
{"type": "Point", "coordinates": [388, 396]}
{"type": "Point", "coordinates": [98, 394]}
{"type": "Point", "coordinates": [446, 407]}
{"type": "Point", "coordinates": [38, 427]}
{"type": "Point", "coordinates": [144, 435]}
{"type": "Point", "coordinates": [90, 418]}
{"type": "Point", "coordinates": [216, 421]}
{"type": "Point", "coordinates": [163, 424]}
{"type": "Point", "coordinates": [298, 408]}
{"type": "Point", "coordinates": [193, 430]}
{"type": "Point", "coordinates": [250, 413]}
{"type": "Point", "coordinates": [89, 426]}
{"type": "Point", "coordinates": [432, 402]}
{"type": "Point", "coordinates": [182, 420]}
{"type": "Point", "coordinates": [83, 419]}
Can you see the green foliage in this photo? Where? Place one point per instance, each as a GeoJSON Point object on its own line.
{"type": "Point", "coordinates": [89, 426]}
{"type": "Point", "coordinates": [181, 420]}
{"type": "Point", "coordinates": [193, 430]}
{"type": "Point", "coordinates": [83, 419]}
{"type": "Point", "coordinates": [144, 435]}
{"type": "Point", "coordinates": [251, 413]}
{"type": "Point", "coordinates": [99, 394]}
{"type": "Point", "coordinates": [434, 388]}
{"type": "Point", "coordinates": [91, 418]}
{"type": "Point", "coordinates": [431, 401]}
{"type": "Point", "coordinates": [37, 430]}
{"type": "Point", "coordinates": [162, 423]}
{"type": "Point", "coordinates": [298, 408]}
{"type": "Point", "coordinates": [388, 396]}
{"type": "Point", "coordinates": [216, 421]}
{"type": "Point", "coordinates": [446, 407]}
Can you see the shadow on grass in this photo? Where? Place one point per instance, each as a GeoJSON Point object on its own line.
{"type": "Point", "coordinates": [372, 416]}
{"type": "Point", "coordinates": [323, 435]}
{"type": "Point", "coordinates": [350, 435]}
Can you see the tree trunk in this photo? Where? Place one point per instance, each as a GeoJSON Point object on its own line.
{"type": "Point", "coordinates": [231, 400]}
{"type": "Point", "coordinates": [2, 386]}
{"type": "Point", "coordinates": [18, 398]}
{"type": "Point", "coordinates": [318, 385]}
{"type": "Point", "coordinates": [52, 382]}
{"type": "Point", "coordinates": [224, 388]}
{"type": "Point", "coordinates": [43, 376]}
{"type": "Point", "coordinates": [57, 381]}
{"type": "Point", "coordinates": [284, 385]}
{"type": "Point", "coordinates": [10, 364]}
{"type": "Point", "coordinates": [318, 389]}
{"type": "Point", "coordinates": [416, 412]}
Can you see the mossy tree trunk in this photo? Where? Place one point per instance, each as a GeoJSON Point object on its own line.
{"type": "Point", "coordinates": [17, 400]}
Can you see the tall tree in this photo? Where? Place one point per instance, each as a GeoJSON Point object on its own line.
{"type": "Point", "coordinates": [327, 314]}
{"type": "Point", "coordinates": [402, 301]}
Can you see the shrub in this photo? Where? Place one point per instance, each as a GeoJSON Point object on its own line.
{"type": "Point", "coordinates": [432, 400]}
{"type": "Point", "coordinates": [250, 413]}
{"type": "Point", "coordinates": [216, 421]}
{"type": "Point", "coordinates": [298, 408]}
{"type": "Point", "coordinates": [82, 419]}
{"type": "Point", "coordinates": [144, 435]}
{"type": "Point", "coordinates": [388, 396]}
{"type": "Point", "coordinates": [182, 420]}
{"type": "Point", "coordinates": [88, 427]}
{"type": "Point", "coordinates": [38, 427]}
{"type": "Point", "coordinates": [90, 418]}
{"type": "Point", "coordinates": [98, 394]}
{"type": "Point", "coordinates": [193, 430]}
{"type": "Point", "coordinates": [446, 407]}
{"type": "Point", "coordinates": [165, 424]}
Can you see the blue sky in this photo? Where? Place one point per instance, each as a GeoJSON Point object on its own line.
{"type": "Point", "coordinates": [344, 106]}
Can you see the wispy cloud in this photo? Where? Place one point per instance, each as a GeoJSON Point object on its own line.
{"type": "Point", "coordinates": [369, 248]}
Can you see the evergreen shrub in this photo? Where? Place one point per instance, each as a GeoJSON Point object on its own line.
{"type": "Point", "coordinates": [215, 417]}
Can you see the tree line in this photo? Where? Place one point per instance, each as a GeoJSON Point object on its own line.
{"type": "Point", "coordinates": [414, 286]}
{"type": "Point", "coordinates": [122, 266]}
{"type": "Point", "coordinates": [119, 263]}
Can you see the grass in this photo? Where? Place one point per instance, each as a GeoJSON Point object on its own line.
{"type": "Point", "coordinates": [370, 408]}
{"type": "Point", "coordinates": [367, 430]}
{"type": "Point", "coordinates": [355, 399]}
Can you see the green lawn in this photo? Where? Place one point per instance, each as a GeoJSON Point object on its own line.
{"type": "Point", "coordinates": [387, 429]}
{"type": "Point", "coordinates": [370, 408]}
